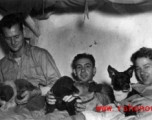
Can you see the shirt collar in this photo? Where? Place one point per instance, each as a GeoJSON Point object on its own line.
{"type": "Point", "coordinates": [26, 51]}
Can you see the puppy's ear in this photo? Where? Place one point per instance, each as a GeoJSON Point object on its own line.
{"type": "Point", "coordinates": [112, 72]}
{"type": "Point", "coordinates": [129, 71]}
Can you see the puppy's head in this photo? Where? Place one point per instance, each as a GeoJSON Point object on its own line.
{"type": "Point", "coordinates": [120, 80]}
{"type": "Point", "coordinates": [7, 92]}
{"type": "Point", "coordinates": [22, 85]}
{"type": "Point", "coordinates": [64, 86]}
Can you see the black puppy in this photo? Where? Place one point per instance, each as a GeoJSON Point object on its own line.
{"type": "Point", "coordinates": [35, 103]}
{"type": "Point", "coordinates": [63, 86]}
{"type": "Point", "coordinates": [6, 92]}
{"type": "Point", "coordinates": [7, 95]}
{"type": "Point", "coordinates": [120, 82]}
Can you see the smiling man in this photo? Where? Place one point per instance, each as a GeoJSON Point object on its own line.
{"type": "Point", "coordinates": [84, 70]}
{"type": "Point", "coordinates": [84, 67]}
{"type": "Point", "coordinates": [142, 61]}
{"type": "Point", "coordinates": [25, 61]}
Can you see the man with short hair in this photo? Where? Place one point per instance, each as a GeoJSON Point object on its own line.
{"type": "Point", "coordinates": [25, 61]}
{"type": "Point", "coordinates": [83, 67]}
{"type": "Point", "coordinates": [142, 61]}
{"type": "Point", "coordinates": [84, 70]}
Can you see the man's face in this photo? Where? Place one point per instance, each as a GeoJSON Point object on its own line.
{"type": "Point", "coordinates": [84, 70]}
{"type": "Point", "coordinates": [143, 69]}
{"type": "Point", "coordinates": [14, 37]}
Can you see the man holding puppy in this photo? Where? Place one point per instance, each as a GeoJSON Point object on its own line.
{"type": "Point", "coordinates": [84, 69]}
{"type": "Point", "coordinates": [25, 61]}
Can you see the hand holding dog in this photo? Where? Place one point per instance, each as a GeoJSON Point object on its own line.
{"type": "Point", "coordinates": [142, 101]}
{"type": "Point", "coordinates": [69, 98]}
{"type": "Point", "coordinates": [50, 98]}
{"type": "Point", "coordinates": [78, 105]}
{"type": "Point", "coordinates": [27, 95]}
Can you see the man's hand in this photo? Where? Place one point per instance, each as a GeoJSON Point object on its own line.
{"type": "Point", "coordinates": [69, 98]}
{"type": "Point", "coordinates": [50, 98]}
{"type": "Point", "coordinates": [142, 101]}
{"type": "Point", "coordinates": [27, 95]}
{"type": "Point", "coordinates": [128, 101]}
{"type": "Point", "coordinates": [78, 105]}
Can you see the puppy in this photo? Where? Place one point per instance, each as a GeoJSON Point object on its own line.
{"type": "Point", "coordinates": [35, 103]}
{"type": "Point", "coordinates": [120, 82]}
{"type": "Point", "coordinates": [63, 86]}
{"type": "Point", "coordinates": [7, 95]}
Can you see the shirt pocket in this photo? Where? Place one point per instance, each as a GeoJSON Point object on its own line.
{"type": "Point", "coordinates": [33, 71]}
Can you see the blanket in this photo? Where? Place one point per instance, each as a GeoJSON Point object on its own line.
{"type": "Point", "coordinates": [113, 114]}
{"type": "Point", "coordinates": [25, 114]}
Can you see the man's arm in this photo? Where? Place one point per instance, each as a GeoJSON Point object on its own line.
{"type": "Point", "coordinates": [50, 71]}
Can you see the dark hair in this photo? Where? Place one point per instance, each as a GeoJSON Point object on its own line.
{"type": "Point", "coordinates": [9, 20]}
{"type": "Point", "coordinates": [83, 55]}
{"type": "Point", "coordinates": [142, 52]}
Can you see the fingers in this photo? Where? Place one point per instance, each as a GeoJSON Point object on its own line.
{"type": "Point", "coordinates": [79, 101]}
{"type": "Point", "coordinates": [140, 114]}
{"type": "Point", "coordinates": [138, 101]}
{"type": "Point", "coordinates": [50, 98]}
{"type": "Point", "coordinates": [70, 98]}
{"type": "Point", "coordinates": [132, 97]}
{"type": "Point", "coordinates": [129, 100]}
{"type": "Point", "coordinates": [26, 96]}
{"type": "Point", "coordinates": [66, 98]}
{"type": "Point", "coordinates": [79, 106]}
